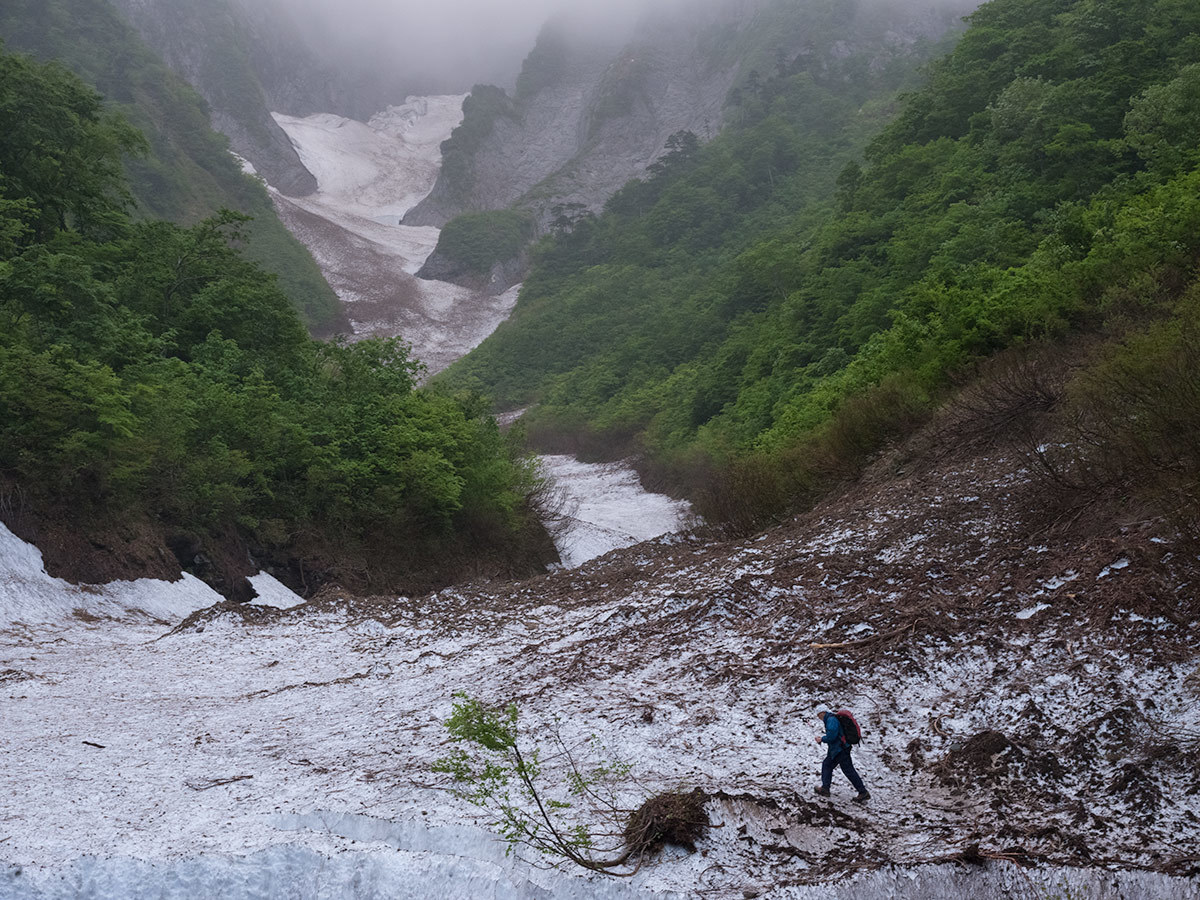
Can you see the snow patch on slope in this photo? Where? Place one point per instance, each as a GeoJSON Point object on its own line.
{"type": "Point", "coordinates": [378, 169]}
{"type": "Point", "coordinates": [28, 595]}
{"type": "Point", "coordinates": [369, 175]}
{"type": "Point", "coordinates": [607, 508]}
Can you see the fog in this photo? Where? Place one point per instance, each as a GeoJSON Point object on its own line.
{"type": "Point", "coordinates": [443, 45]}
{"type": "Point", "coordinates": [390, 48]}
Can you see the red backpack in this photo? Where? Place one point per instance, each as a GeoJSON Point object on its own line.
{"type": "Point", "coordinates": [851, 733]}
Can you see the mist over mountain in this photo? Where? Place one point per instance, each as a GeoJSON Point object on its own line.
{"type": "Point", "coordinates": [901, 310]}
{"type": "Point", "coordinates": [440, 48]}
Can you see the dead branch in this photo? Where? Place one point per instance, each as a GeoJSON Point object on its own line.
{"type": "Point", "coordinates": [215, 782]}
{"type": "Point", "coordinates": [862, 642]}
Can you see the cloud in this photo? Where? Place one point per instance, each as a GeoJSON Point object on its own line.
{"type": "Point", "coordinates": [446, 44]}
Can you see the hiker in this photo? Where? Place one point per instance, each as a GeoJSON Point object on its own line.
{"type": "Point", "coordinates": [838, 755]}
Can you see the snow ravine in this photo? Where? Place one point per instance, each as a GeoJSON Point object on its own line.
{"type": "Point", "coordinates": [287, 753]}
{"type": "Point", "coordinates": [369, 175]}
{"type": "Point", "coordinates": [605, 508]}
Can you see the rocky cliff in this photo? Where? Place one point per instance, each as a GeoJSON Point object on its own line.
{"type": "Point", "coordinates": [207, 43]}
{"type": "Point", "coordinates": [585, 117]}
{"type": "Point", "coordinates": [590, 113]}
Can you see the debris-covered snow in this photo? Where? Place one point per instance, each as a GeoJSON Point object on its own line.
{"type": "Point", "coordinates": [288, 752]}
{"type": "Point", "coordinates": [368, 176]}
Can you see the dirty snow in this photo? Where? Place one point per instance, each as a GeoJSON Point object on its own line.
{"type": "Point", "coordinates": [289, 754]}
{"type": "Point", "coordinates": [369, 175]}
{"type": "Point", "coordinates": [607, 508]}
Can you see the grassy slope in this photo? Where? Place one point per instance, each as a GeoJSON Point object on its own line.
{"type": "Point", "coordinates": [624, 301]}
{"type": "Point", "coordinates": [747, 307]}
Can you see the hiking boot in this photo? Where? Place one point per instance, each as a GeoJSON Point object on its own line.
{"type": "Point", "coordinates": [823, 791]}
{"type": "Point", "coordinates": [863, 797]}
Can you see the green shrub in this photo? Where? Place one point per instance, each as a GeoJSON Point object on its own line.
{"type": "Point", "coordinates": [473, 242]}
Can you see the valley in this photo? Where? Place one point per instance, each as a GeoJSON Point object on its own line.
{"type": "Point", "coordinates": [1007, 671]}
{"type": "Point", "coordinates": [349, 576]}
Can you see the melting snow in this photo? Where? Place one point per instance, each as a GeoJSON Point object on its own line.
{"type": "Point", "coordinates": [607, 508]}
{"type": "Point", "coordinates": [369, 175]}
{"type": "Point", "coordinates": [291, 758]}
{"type": "Point", "coordinates": [273, 593]}
{"type": "Point", "coordinates": [1115, 567]}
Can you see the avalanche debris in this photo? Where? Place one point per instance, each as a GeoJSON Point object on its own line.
{"type": "Point", "coordinates": [1006, 757]}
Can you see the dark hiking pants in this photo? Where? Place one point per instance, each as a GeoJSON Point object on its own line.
{"type": "Point", "coordinates": [841, 758]}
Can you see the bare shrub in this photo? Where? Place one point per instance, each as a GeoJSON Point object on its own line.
{"type": "Point", "coordinates": [1009, 402]}
{"type": "Point", "coordinates": [866, 423]}
{"type": "Point", "coordinates": [743, 494]}
{"type": "Point", "coordinates": [755, 490]}
{"type": "Point", "coordinates": [1130, 424]}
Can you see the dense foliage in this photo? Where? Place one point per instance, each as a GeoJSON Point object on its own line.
{"type": "Point", "coordinates": [472, 243]}
{"type": "Point", "coordinates": [761, 298]}
{"type": "Point", "coordinates": [187, 173]}
{"type": "Point", "coordinates": [149, 370]}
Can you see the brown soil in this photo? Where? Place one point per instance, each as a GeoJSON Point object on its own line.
{"type": "Point", "coordinates": [988, 756]}
{"type": "Point", "coordinates": [92, 550]}
{"type": "Point", "coordinates": [95, 552]}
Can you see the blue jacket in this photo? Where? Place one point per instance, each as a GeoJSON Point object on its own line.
{"type": "Point", "coordinates": [833, 736]}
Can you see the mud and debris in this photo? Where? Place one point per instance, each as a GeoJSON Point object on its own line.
{"type": "Point", "coordinates": [1065, 737]}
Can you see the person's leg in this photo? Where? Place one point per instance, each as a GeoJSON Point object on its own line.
{"type": "Point", "coordinates": [827, 771]}
{"type": "Point", "coordinates": [848, 768]}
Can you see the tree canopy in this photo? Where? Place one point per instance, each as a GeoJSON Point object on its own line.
{"type": "Point", "coordinates": [151, 371]}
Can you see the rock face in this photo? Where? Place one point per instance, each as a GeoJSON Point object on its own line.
{"type": "Point", "coordinates": [248, 58]}
{"type": "Point", "coordinates": [208, 44]}
{"type": "Point", "coordinates": [500, 278]}
{"type": "Point", "coordinates": [298, 80]}
{"type": "Point", "coordinates": [589, 113]}
{"type": "Point", "coordinates": [585, 118]}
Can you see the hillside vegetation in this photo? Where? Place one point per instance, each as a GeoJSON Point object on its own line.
{"type": "Point", "coordinates": [187, 173]}
{"type": "Point", "coordinates": [760, 315]}
{"type": "Point", "coordinates": [151, 375]}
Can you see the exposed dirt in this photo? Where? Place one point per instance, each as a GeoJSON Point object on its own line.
{"type": "Point", "coordinates": [89, 550]}
{"type": "Point", "coordinates": [669, 818]}
{"type": "Point", "coordinates": [94, 552]}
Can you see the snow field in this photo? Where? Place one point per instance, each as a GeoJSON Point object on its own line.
{"type": "Point", "coordinates": [379, 169]}
{"type": "Point", "coordinates": [293, 758]}
{"type": "Point", "coordinates": [369, 175]}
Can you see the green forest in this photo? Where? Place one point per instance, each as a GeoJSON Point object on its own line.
{"type": "Point", "coordinates": [762, 313]}
{"type": "Point", "coordinates": [152, 372]}
{"type": "Point", "coordinates": [187, 173]}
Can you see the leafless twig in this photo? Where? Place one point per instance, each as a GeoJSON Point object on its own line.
{"type": "Point", "coordinates": [215, 782]}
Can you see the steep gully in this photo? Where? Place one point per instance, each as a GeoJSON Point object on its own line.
{"type": "Point", "coordinates": [1009, 670]}
{"type": "Point", "coordinates": [369, 175]}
